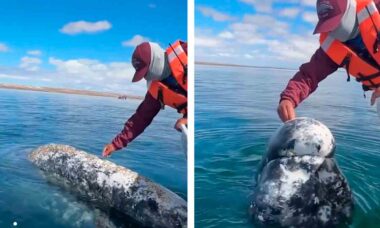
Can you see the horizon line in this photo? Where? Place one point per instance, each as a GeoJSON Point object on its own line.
{"type": "Point", "coordinates": [68, 91]}
{"type": "Point", "coordinates": [241, 65]}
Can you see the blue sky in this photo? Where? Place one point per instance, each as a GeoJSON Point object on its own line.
{"type": "Point", "coordinates": [82, 44]}
{"type": "Point", "coordinates": [275, 33]}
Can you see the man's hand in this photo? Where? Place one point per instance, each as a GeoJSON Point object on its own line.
{"type": "Point", "coordinates": [108, 150]}
{"type": "Point", "coordinates": [182, 121]}
{"type": "Point", "coordinates": [375, 95]}
{"type": "Point", "coordinates": [286, 111]}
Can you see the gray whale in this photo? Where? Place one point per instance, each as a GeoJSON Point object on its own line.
{"type": "Point", "coordinates": [112, 186]}
{"type": "Point", "coordinates": [299, 183]}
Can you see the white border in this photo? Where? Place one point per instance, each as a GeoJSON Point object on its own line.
{"type": "Point", "coordinates": [190, 94]}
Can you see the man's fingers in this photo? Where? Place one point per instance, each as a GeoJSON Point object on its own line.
{"type": "Point", "coordinates": [286, 111]}
{"type": "Point", "coordinates": [176, 126]}
{"type": "Point", "coordinates": [182, 121]}
{"type": "Point", "coordinates": [279, 112]}
{"type": "Point", "coordinates": [374, 96]}
{"type": "Point", "coordinates": [105, 151]}
{"type": "Point", "coordinates": [282, 112]}
{"type": "Point", "coordinates": [291, 113]}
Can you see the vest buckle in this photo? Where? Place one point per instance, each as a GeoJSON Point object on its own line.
{"type": "Point", "coordinates": [376, 44]}
{"type": "Point", "coordinates": [346, 64]}
{"type": "Point", "coordinates": [160, 98]}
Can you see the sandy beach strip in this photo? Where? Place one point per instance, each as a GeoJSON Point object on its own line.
{"type": "Point", "coordinates": [69, 91]}
{"type": "Point", "coordinates": [241, 66]}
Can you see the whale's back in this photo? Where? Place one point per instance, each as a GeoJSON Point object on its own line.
{"type": "Point", "coordinates": [299, 182]}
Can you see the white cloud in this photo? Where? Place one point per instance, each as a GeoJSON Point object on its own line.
{"type": "Point", "coordinates": [203, 41]}
{"type": "Point", "coordinates": [309, 2]}
{"type": "Point", "coordinates": [264, 6]}
{"type": "Point", "coordinates": [249, 41]}
{"type": "Point", "coordinates": [289, 12]}
{"type": "Point", "coordinates": [13, 76]}
{"type": "Point", "coordinates": [268, 36]}
{"type": "Point", "coordinates": [34, 52]}
{"type": "Point", "coordinates": [248, 56]}
{"type": "Point", "coordinates": [310, 17]}
{"type": "Point", "coordinates": [214, 14]}
{"type": "Point", "coordinates": [297, 47]}
{"type": "Point", "coordinates": [134, 41]}
{"type": "Point", "coordinates": [3, 47]}
{"type": "Point", "coordinates": [226, 35]}
{"type": "Point", "coordinates": [30, 63]}
{"type": "Point", "coordinates": [90, 74]}
{"type": "Point", "coordinates": [251, 30]}
{"type": "Point", "coordinates": [78, 27]}
{"type": "Point", "coordinates": [94, 74]}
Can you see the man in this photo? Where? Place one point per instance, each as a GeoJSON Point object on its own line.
{"type": "Point", "coordinates": [166, 76]}
{"type": "Point", "coordinates": [350, 38]}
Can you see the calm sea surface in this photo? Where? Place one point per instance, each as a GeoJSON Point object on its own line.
{"type": "Point", "coordinates": [236, 114]}
{"type": "Point", "coordinates": [31, 119]}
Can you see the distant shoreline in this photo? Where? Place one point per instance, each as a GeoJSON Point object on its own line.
{"type": "Point", "coordinates": [241, 66]}
{"type": "Point", "coordinates": [69, 91]}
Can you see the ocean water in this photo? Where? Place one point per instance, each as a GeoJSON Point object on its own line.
{"type": "Point", "coordinates": [235, 115]}
{"type": "Point", "coordinates": [31, 119]}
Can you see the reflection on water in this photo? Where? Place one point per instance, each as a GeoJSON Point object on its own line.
{"type": "Point", "coordinates": [31, 119]}
{"type": "Point", "coordinates": [235, 116]}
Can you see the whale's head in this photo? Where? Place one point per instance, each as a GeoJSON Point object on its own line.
{"type": "Point", "coordinates": [298, 181]}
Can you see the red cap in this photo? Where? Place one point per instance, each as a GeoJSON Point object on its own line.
{"type": "Point", "coordinates": [141, 61]}
{"type": "Point", "coordinates": [330, 13]}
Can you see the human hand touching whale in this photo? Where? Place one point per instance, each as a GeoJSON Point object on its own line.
{"type": "Point", "coordinates": [108, 150]}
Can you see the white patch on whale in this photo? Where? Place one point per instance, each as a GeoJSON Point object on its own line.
{"type": "Point", "coordinates": [324, 213]}
{"type": "Point", "coordinates": [299, 179]}
{"type": "Point", "coordinates": [312, 133]}
{"type": "Point", "coordinates": [326, 177]}
{"type": "Point", "coordinates": [290, 181]}
{"type": "Point", "coordinates": [116, 179]}
{"type": "Point", "coordinates": [111, 186]}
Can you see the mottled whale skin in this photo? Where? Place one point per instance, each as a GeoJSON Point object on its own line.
{"type": "Point", "coordinates": [299, 183]}
{"type": "Point", "coordinates": [112, 186]}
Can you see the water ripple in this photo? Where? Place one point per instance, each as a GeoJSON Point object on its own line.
{"type": "Point", "coordinates": [31, 119]}
{"type": "Point", "coordinates": [235, 120]}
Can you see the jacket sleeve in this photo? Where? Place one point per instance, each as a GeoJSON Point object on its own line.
{"type": "Point", "coordinates": [184, 45]}
{"type": "Point", "coordinates": [377, 3]}
{"type": "Point", "coordinates": [137, 123]}
{"type": "Point", "coordinates": [306, 80]}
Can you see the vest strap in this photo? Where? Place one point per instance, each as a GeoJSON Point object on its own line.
{"type": "Point", "coordinates": [327, 43]}
{"type": "Point", "coordinates": [178, 50]}
{"type": "Point", "coordinates": [160, 97]}
{"type": "Point", "coordinates": [356, 65]}
{"type": "Point", "coordinates": [181, 107]}
{"type": "Point", "coordinates": [366, 12]}
{"type": "Point", "coordinates": [367, 77]}
{"type": "Point", "coordinates": [346, 64]}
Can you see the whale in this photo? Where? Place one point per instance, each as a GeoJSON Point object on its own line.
{"type": "Point", "coordinates": [298, 182]}
{"type": "Point", "coordinates": [110, 187]}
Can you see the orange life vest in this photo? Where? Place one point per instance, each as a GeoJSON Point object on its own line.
{"type": "Point", "coordinates": [177, 59]}
{"type": "Point", "coordinates": [369, 26]}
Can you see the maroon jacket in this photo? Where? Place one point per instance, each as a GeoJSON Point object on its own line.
{"type": "Point", "coordinates": [137, 123]}
{"type": "Point", "coordinates": [140, 120]}
{"type": "Point", "coordinates": [306, 80]}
